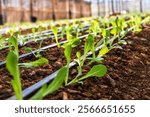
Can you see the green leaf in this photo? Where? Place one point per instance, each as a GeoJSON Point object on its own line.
{"type": "Point", "coordinates": [75, 42]}
{"type": "Point", "coordinates": [114, 31]}
{"type": "Point", "coordinates": [33, 30]}
{"type": "Point", "coordinates": [39, 94]}
{"type": "Point", "coordinates": [28, 49]}
{"type": "Point", "coordinates": [122, 42]}
{"type": "Point", "coordinates": [88, 44]}
{"type": "Point", "coordinates": [103, 51]}
{"type": "Point", "coordinates": [12, 63]}
{"type": "Point", "coordinates": [55, 31]}
{"type": "Point", "coordinates": [97, 70]}
{"type": "Point", "coordinates": [58, 81]}
{"type": "Point", "coordinates": [12, 66]}
{"type": "Point", "coordinates": [56, 84]}
{"type": "Point", "coordinates": [13, 41]}
{"type": "Point", "coordinates": [103, 32]}
{"type": "Point", "coordinates": [40, 29]}
{"type": "Point", "coordinates": [78, 54]}
{"type": "Point", "coordinates": [67, 52]}
{"type": "Point", "coordinates": [36, 63]}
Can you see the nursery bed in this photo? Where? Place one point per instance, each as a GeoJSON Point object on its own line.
{"type": "Point", "coordinates": [128, 74]}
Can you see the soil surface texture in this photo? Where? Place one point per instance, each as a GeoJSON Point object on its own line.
{"type": "Point", "coordinates": [128, 76]}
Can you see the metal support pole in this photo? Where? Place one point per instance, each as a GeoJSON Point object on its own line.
{"type": "Point", "coordinates": [98, 6]}
{"type": "Point", "coordinates": [32, 18]}
{"type": "Point", "coordinates": [112, 5]}
{"type": "Point", "coordinates": [141, 6]}
{"type": "Point", "coordinates": [1, 15]}
{"type": "Point", "coordinates": [53, 10]}
{"type": "Point", "coordinates": [22, 11]}
{"type": "Point", "coordinates": [104, 10]}
{"type": "Point", "coordinates": [69, 12]}
{"type": "Point", "coordinates": [81, 9]}
{"type": "Point", "coordinates": [91, 8]}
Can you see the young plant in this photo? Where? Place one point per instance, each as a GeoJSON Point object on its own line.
{"type": "Point", "coordinates": [63, 29]}
{"type": "Point", "coordinates": [35, 63]}
{"type": "Point", "coordinates": [89, 45]}
{"type": "Point", "coordinates": [96, 71]}
{"type": "Point", "coordinates": [56, 84]}
{"type": "Point", "coordinates": [12, 66]}
{"type": "Point", "coordinates": [79, 61]}
{"type": "Point", "coordinates": [67, 52]}
{"type": "Point", "coordinates": [2, 42]}
{"type": "Point", "coordinates": [33, 32]}
{"type": "Point", "coordinates": [55, 31]}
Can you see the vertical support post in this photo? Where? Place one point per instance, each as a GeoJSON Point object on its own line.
{"type": "Point", "coordinates": [81, 9]}
{"type": "Point", "coordinates": [104, 7]}
{"type": "Point", "coordinates": [69, 12]}
{"type": "Point", "coordinates": [122, 4]}
{"type": "Point", "coordinates": [116, 5]}
{"type": "Point", "coordinates": [1, 15]}
{"type": "Point", "coordinates": [22, 10]}
{"type": "Point", "coordinates": [112, 6]}
{"type": "Point", "coordinates": [32, 18]}
{"type": "Point", "coordinates": [90, 8]}
{"type": "Point", "coordinates": [108, 2]}
{"type": "Point", "coordinates": [141, 6]}
{"type": "Point", "coordinates": [53, 10]}
{"type": "Point", "coordinates": [31, 9]}
{"type": "Point", "coordinates": [98, 6]}
{"type": "Point", "coordinates": [74, 9]}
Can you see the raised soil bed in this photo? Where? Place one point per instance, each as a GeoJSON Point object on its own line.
{"type": "Point", "coordinates": [128, 74]}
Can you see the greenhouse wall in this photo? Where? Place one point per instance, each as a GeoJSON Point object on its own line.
{"type": "Point", "coordinates": [19, 10]}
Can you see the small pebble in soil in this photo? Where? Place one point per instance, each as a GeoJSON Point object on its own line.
{"type": "Point", "coordinates": [127, 97]}
{"type": "Point", "coordinates": [32, 73]}
{"type": "Point", "coordinates": [59, 64]}
{"type": "Point", "coordinates": [146, 97]}
{"type": "Point", "coordinates": [65, 96]}
{"type": "Point", "coordinates": [110, 81]}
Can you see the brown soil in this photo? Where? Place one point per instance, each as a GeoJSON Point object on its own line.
{"type": "Point", "coordinates": [128, 73]}
{"type": "Point", "coordinates": [30, 76]}
{"type": "Point", "coordinates": [33, 45]}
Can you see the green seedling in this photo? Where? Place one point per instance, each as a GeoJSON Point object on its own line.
{"type": "Point", "coordinates": [34, 64]}
{"type": "Point", "coordinates": [56, 84]}
{"type": "Point", "coordinates": [89, 45]}
{"type": "Point", "coordinates": [103, 51]}
{"type": "Point", "coordinates": [12, 66]}
{"type": "Point", "coordinates": [2, 42]}
{"type": "Point", "coordinates": [28, 49]}
{"type": "Point", "coordinates": [55, 31]}
{"type": "Point", "coordinates": [68, 34]}
{"type": "Point", "coordinates": [96, 71]}
{"type": "Point", "coordinates": [63, 29]}
{"type": "Point", "coordinates": [33, 32]}
{"type": "Point", "coordinates": [67, 52]}
{"type": "Point", "coordinates": [79, 62]}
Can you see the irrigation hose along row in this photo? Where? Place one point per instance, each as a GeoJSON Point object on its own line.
{"type": "Point", "coordinates": [47, 47]}
{"type": "Point", "coordinates": [28, 91]}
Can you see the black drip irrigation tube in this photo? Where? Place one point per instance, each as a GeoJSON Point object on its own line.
{"type": "Point", "coordinates": [36, 86]}
{"type": "Point", "coordinates": [28, 91]}
{"type": "Point", "coordinates": [47, 47]}
{"type": "Point", "coordinates": [48, 34]}
{"type": "Point", "coordinates": [41, 49]}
